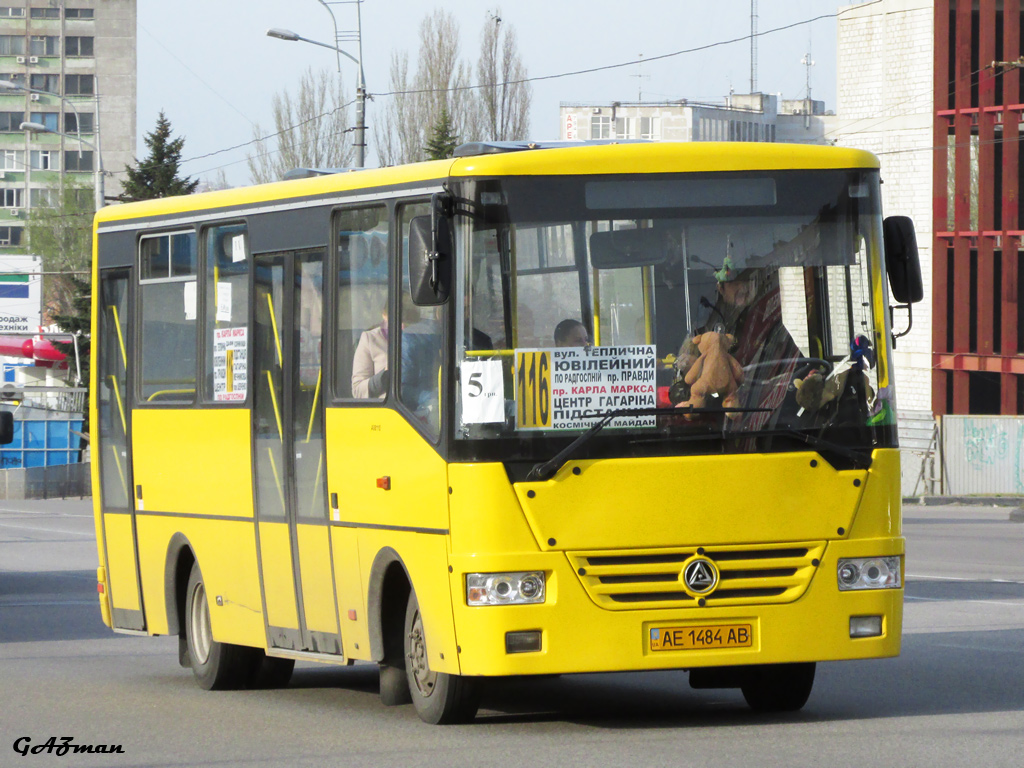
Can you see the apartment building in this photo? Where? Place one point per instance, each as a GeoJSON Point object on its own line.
{"type": "Point", "coordinates": [67, 67]}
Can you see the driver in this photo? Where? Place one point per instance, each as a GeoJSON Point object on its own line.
{"type": "Point", "coordinates": [748, 307]}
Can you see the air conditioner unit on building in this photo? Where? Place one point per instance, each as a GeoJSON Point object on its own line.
{"type": "Point", "coordinates": [15, 211]}
{"type": "Point", "coordinates": [33, 59]}
{"type": "Point", "coordinates": [34, 96]}
{"type": "Point", "coordinates": [20, 59]}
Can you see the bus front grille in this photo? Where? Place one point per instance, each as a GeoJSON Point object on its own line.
{"type": "Point", "coordinates": [755, 574]}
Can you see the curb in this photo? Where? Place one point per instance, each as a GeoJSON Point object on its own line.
{"type": "Point", "coordinates": [966, 501]}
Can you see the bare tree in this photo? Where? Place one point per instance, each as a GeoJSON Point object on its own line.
{"type": "Point", "coordinates": [311, 129]}
{"type": "Point", "coordinates": [441, 83]}
{"type": "Point", "coordinates": [503, 100]}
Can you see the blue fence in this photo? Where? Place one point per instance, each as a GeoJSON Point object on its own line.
{"type": "Point", "coordinates": [42, 443]}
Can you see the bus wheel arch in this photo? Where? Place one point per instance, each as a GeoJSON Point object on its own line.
{"type": "Point", "coordinates": [177, 569]}
{"type": "Point", "coordinates": [386, 600]}
{"type": "Point", "coordinates": [216, 665]}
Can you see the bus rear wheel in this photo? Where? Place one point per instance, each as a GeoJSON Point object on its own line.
{"type": "Point", "coordinates": [439, 698]}
{"type": "Point", "coordinates": [779, 687]}
{"type": "Point", "coordinates": [216, 666]}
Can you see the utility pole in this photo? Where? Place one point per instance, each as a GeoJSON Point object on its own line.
{"type": "Point", "coordinates": [355, 36]}
{"type": "Point", "coordinates": [753, 46]}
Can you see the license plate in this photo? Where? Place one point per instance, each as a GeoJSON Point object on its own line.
{"type": "Point", "coordinates": [708, 636]}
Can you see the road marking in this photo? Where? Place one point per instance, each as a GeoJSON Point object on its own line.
{"type": "Point", "coordinates": [47, 602]}
{"type": "Point", "coordinates": [962, 578]}
{"type": "Point", "coordinates": [47, 530]}
{"type": "Point", "coordinates": [966, 600]}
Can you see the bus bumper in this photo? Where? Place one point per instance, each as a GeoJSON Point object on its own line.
{"type": "Point", "coordinates": [579, 636]}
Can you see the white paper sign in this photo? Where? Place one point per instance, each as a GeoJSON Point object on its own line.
{"type": "Point", "coordinates": [223, 302]}
{"type": "Point", "coordinates": [190, 301]}
{"type": "Point", "coordinates": [230, 364]}
{"type": "Point", "coordinates": [483, 392]}
{"type": "Point", "coordinates": [238, 248]}
{"type": "Point", "coordinates": [572, 387]}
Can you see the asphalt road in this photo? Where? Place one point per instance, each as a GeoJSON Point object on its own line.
{"type": "Point", "coordinates": [955, 697]}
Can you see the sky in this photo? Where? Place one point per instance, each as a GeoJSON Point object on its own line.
{"type": "Point", "coordinates": [210, 67]}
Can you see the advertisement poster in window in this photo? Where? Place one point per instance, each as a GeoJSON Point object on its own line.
{"type": "Point", "coordinates": [230, 382]}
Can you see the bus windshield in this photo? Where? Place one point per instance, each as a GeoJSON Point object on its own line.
{"type": "Point", "coordinates": [725, 312]}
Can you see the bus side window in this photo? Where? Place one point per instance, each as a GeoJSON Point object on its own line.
{"type": "Point", "coordinates": [420, 341]}
{"type": "Point", "coordinates": [226, 323]}
{"type": "Point", "coordinates": [362, 355]}
{"type": "Point", "coordinates": [167, 295]}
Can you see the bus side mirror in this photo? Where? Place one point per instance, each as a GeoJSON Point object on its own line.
{"type": "Point", "coordinates": [6, 427]}
{"type": "Point", "coordinates": [901, 260]}
{"type": "Point", "coordinates": [430, 256]}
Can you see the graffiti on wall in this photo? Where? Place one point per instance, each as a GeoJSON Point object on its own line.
{"type": "Point", "coordinates": [983, 454]}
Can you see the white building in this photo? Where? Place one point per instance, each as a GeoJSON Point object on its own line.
{"type": "Point", "coordinates": [885, 95]}
{"type": "Point", "coordinates": [743, 117]}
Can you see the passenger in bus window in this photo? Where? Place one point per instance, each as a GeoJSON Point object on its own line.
{"type": "Point", "coordinates": [421, 362]}
{"type": "Point", "coordinates": [571, 333]}
{"type": "Point", "coordinates": [370, 377]}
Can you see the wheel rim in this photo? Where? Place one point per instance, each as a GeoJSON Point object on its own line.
{"type": "Point", "coordinates": [199, 632]}
{"type": "Point", "coordinates": [416, 658]}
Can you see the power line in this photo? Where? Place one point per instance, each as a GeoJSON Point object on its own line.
{"type": "Point", "coordinates": [539, 78]}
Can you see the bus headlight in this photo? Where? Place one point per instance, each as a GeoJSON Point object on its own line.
{"type": "Point", "coordinates": [869, 573]}
{"type": "Point", "coordinates": [505, 588]}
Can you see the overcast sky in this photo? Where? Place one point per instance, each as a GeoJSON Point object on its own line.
{"type": "Point", "coordinates": [210, 66]}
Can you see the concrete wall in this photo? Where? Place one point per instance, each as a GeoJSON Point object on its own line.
{"type": "Point", "coordinates": [59, 482]}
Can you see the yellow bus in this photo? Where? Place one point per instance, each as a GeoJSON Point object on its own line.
{"type": "Point", "coordinates": [536, 409]}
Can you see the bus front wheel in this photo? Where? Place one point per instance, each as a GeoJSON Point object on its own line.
{"type": "Point", "coordinates": [216, 666]}
{"type": "Point", "coordinates": [779, 687]}
{"type": "Point", "coordinates": [439, 698]}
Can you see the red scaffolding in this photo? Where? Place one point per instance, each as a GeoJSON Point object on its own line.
{"type": "Point", "coordinates": [976, 341]}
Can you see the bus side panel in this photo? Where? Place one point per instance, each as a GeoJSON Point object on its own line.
{"type": "Point", "coordinates": [194, 462]}
{"type": "Point", "coordinates": [348, 580]}
{"type": "Point", "coordinates": [317, 595]}
{"type": "Point", "coordinates": [365, 445]}
{"type": "Point", "coordinates": [121, 547]}
{"type": "Point", "coordinates": [193, 467]}
{"type": "Point", "coordinates": [225, 550]}
{"type": "Point", "coordinates": [880, 513]}
{"type": "Point", "coordinates": [278, 574]}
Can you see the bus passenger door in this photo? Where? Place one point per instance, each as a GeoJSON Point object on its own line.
{"type": "Point", "coordinates": [291, 505]}
{"type": "Point", "coordinates": [120, 543]}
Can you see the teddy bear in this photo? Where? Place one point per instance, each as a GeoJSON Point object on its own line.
{"type": "Point", "coordinates": [715, 373]}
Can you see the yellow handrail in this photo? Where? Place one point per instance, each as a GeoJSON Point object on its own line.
{"type": "Point", "coordinates": [490, 352]}
{"type": "Point", "coordinates": [277, 479]}
{"type": "Point", "coordinates": [277, 336]}
{"type": "Point", "coordinates": [120, 405]}
{"type": "Point", "coordinates": [120, 469]}
{"type": "Point", "coordinates": [277, 411]}
{"type": "Point", "coordinates": [189, 391]}
{"type": "Point", "coordinates": [312, 411]}
{"type": "Point", "coordinates": [120, 336]}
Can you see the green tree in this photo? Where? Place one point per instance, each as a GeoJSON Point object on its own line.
{"type": "Point", "coordinates": [157, 175]}
{"type": "Point", "coordinates": [59, 230]}
{"type": "Point", "coordinates": [443, 141]}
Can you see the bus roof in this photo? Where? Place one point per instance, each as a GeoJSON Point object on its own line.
{"type": "Point", "coordinates": [521, 159]}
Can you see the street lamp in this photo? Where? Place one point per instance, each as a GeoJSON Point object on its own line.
{"type": "Point", "coordinates": [7, 85]}
{"type": "Point", "coordinates": [288, 35]}
{"type": "Point", "coordinates": [97, 168]}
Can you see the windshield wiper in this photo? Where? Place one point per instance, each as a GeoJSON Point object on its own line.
{"type": "Point", "coordinates": [547, 469]}
{"type": "Point", "coordinates": [859, 459]}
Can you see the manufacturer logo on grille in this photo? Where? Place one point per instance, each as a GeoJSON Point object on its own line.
{"type": "Point", "coordinates": [700, 576]}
